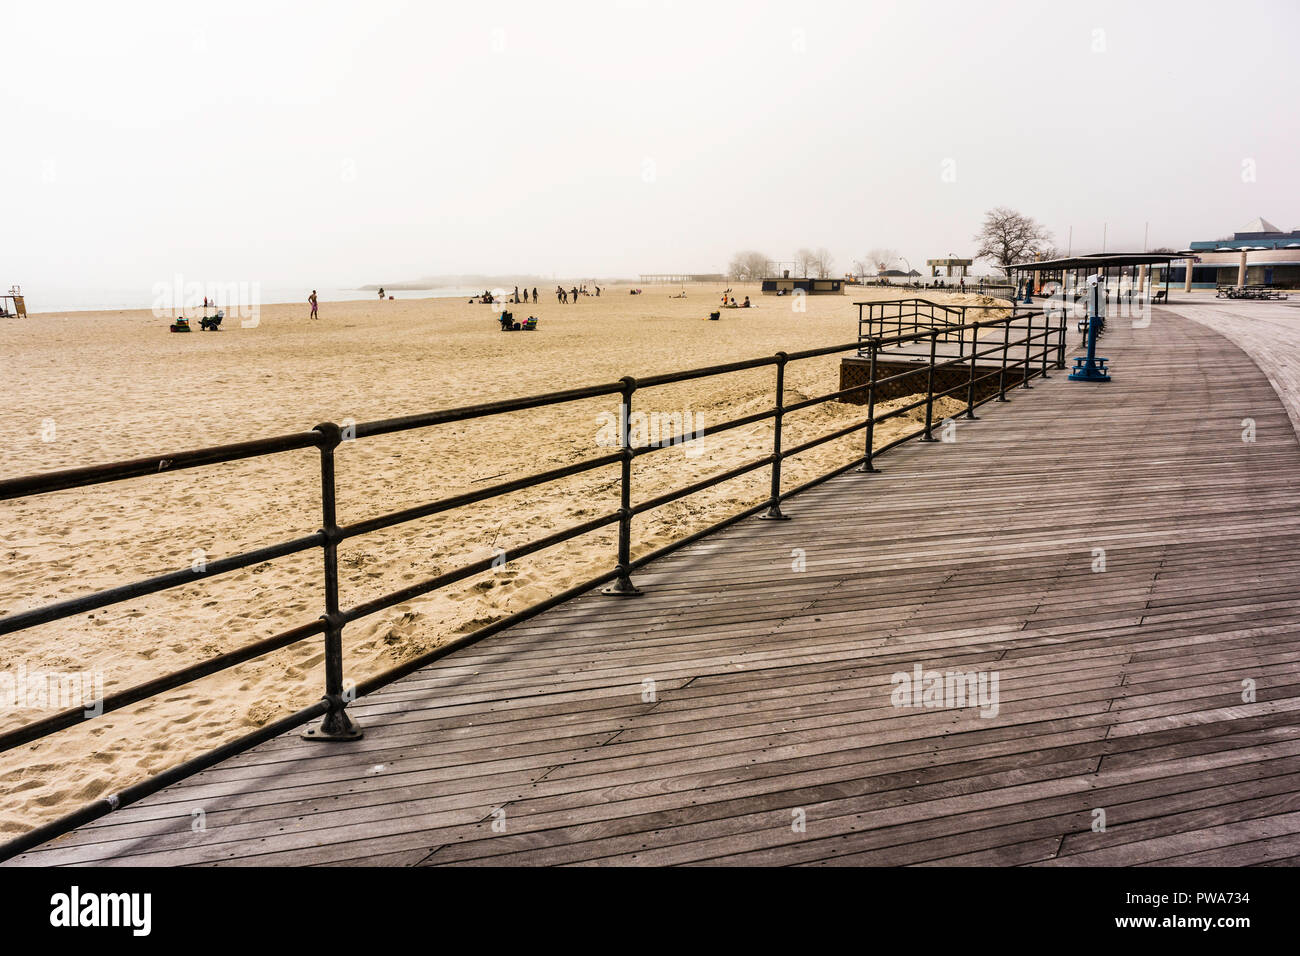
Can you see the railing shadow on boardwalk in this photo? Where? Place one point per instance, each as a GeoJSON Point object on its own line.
{"type": "Point", "coordinates": [1031, 341]}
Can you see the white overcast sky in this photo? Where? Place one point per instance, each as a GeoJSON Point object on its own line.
{"type": "Point", "coordinates": [342, 143]}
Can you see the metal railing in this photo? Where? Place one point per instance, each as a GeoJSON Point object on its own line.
{"type": "Point", "coordinates": [953, 323]}
{"type": "Point", "coordinates": [995, 286]}
{"type": "Point", "coordinates": [908, 316]}
{"type": "Point", "coordinates": [1027, 357]}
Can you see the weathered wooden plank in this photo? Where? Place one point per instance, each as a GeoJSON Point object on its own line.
{"type": "Point", "coordinates": [772, 686]}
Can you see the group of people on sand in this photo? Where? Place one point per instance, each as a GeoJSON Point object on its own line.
{"type": "Point", "coordinates": [519, 298]}
{"type": "Point", "coordinates": [564, 295]}
{"type": "Point", "coordinates": [731, 303]}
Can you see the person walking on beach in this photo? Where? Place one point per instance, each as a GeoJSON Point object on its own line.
{"type": "Point", "coordinates": [597, 292]}
{"type": "Point", "coordinates": [312, 299]}
{"type": "Point", "coordinates": [381, 292]}
{"type": "Point", "coordinates": [534, 295]}
{"type": "Point", "coordinates": [575, 295]}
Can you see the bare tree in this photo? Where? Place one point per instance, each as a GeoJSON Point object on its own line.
{"type": "Point", "coordinates": [806, 259]}
{"type": "Point", "coordinates": [1007, 237]}
{"type": "Point", "coordinates": [748, 266]}
{"type": "Point", "coordinates": [823, 262]}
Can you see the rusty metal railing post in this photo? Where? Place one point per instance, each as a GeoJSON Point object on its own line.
{"type": "Point", "coordinates": [929, 391]}
{"type": "Point", "coordinates": [773, 512]}
{"type": "Point", "coordinates": [970, 386]}
{"type": "Point", "coordinates": [1060, 340]}
{"type": "Point", "coordinates": [1047, 340]}
{"type": "Point", "coordinates": [623, 586]}
{"type": "Point", "coordinates": [1006, 351]}
{"type": "Point", "coordinates": [1029, 336]}
{"type": "Point", "coordinates": [336, 725]}
{"type": "Point", "coordinates": [867, 467]}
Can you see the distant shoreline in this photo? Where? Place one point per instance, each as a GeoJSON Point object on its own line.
{"type": "Point", "coordinates": [133, 300]}
{"type": "Point", "coordinates": [279, 297]}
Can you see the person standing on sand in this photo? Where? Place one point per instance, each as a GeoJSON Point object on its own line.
{"type": "Point", "coordinates": [312, 299]}
{"type": "Point", "coordinates": [381, 292]}
{"type": "Point", "coordinates": [575, 295]}
{"type": "Point", "coordinates": [534, 295]}
{"type": "Point", "coordinates": [597, 292]}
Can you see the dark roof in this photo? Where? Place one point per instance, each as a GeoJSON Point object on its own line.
{"type": "Point", "coordinates": [1102, 259]}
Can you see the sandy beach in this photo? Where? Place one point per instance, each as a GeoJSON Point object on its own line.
{"type": "Point", "coordinates": [86, 388]}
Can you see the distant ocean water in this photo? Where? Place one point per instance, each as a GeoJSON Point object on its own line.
{"type": "Point", "coordinates": [74, 300]}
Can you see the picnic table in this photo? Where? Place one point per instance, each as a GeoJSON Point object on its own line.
{"type": "Point", "coordinates": [1248, 292]}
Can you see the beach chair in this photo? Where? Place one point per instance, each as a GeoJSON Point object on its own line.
{"type": "Point", "coordinates": [530, 324]}
{"type": "Point", "coordinates": [211, 323]}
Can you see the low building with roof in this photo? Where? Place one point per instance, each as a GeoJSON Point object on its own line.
{"type": "Point", "coordinates": [1259, 254]}
{"type": "Point", "coordinates": [785, 285]}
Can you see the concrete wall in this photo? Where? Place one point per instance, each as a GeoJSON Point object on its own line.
{"type": "Point", "coordinates": [855, 371]}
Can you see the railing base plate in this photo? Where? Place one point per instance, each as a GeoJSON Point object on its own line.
{"type": "Point", "coordinates": [621, 589]}
{"type": "Point", "coordinates": [346, 729]}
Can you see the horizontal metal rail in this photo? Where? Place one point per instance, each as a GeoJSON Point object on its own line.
{"type": "Point", "coordinates": [139, 467]}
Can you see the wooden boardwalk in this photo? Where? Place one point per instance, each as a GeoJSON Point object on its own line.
{"type": "Point", "coordinates": [1269, 332]}
{"type": "Point", "coordinates": [1119, 690]}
